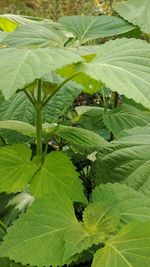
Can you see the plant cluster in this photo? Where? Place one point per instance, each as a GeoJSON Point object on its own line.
{"type": "Point", "coordinates": [75, 179]}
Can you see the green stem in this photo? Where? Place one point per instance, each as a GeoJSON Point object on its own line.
{"type": "Point", "coordinates": [38, 108]}
{"type": "Point", "coordinates": [30, 97]}
{"type": "Point", "coordinates": [58, 87]}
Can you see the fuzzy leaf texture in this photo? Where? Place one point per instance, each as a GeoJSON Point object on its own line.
{"type": "Point", "coordinates": [125, 117]}
{"type": "Point", "coordinates": [129, 248]}
{"type": "Point", "coordinates": [16, 169]}
{"type": "Point", "coordinates": [22, 66]}
{"type": "Point", "coordinates": [126, 161]}
{"type": "Point", "coordinates": [136, 12]}
{"type": "Point", "coordinates": [123, 65]}
{"type": "Point", "coordinates": [58, 176]}
{"type": "Point", "coordinates": [43, 225]}
{"type": "Point", "coordinates": [133, 206]}
{"type": "Point", "coordinates": [86, 28]}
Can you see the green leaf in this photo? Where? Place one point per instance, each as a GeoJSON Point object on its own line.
{"type": "Point", "coordinates": [132, 205]}
{"type": "Point", "coordinates": [58, 176]}
{"type": "Point", "coordinates": [91, 118]}
{"type": "Point", "coordinates": [99, 221]}
{"type": "Point", "coordinates": [123, 65]}
{"type": "Point", "coordinates": [7, 25]}
{"type": "Point", "coordinates": [129, 248]}
{"type": "Point", "coordinates": [125, 117]}
{"type": "Point", "coordinates": [16, 169]}
{"type": "Point", "coordinates": [41, 230]}
{"type": "Point", "coordinates": [31, 35]}
{"type": "Point", "coordinates": [23, 66]}
{"type": "Point", "coordinates": [80, 137]}
{"type": "Point", "coordinates": [126, 161]}
{"type": "Point", "coordinates": [135, 12]}
{"type": "Point", "coordinates": [19, 126]}
{"type": "Point", "coordinates": [86, 28]}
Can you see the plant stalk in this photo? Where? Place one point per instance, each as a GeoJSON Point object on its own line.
{"type": "Point", "coordinates": [38, 109]}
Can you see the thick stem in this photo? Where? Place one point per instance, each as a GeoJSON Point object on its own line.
{"type": "Point", "coordinates": [38, 109]}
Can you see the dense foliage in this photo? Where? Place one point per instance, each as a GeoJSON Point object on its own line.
{"type": "Point", "coordinates": [75, 178]}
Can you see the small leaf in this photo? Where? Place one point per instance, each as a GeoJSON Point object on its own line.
{"type": "Point", "coordinates": [58, 176]}
{"type": "Point", "coordinates": [16, 169]}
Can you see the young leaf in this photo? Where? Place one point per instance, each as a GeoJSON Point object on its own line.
{"type": "Point", "coordinates": [99, 221]}
{"type": "Point", "coordinates": [123, 65]}
{"type": "Point", "coordinates": [16, 169]}
{"type": "Point", "coordinates": [129, 248]}
{"type": "Point", "coordinates": [126, 161]}
{"type": "Point", "coordinates": [135, 12]}
{"type": "Point", "coordinates": [22, 66]}
{"type": "Point", "coordinates": [87, 28]}
{"type": "Point", "coordinates": [41, 230]}
{"type": "Point", "coordinates": [125, 117]}
{"type": "Point", "coordinates": [58, 176]}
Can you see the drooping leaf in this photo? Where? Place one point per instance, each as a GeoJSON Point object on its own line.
{"type": "Point", "coordinates": [132, 205]}
{"type": "Point", "coordinates": [80, 137]}
{"type": "Point", "coordinates": [58, 176]}
{"type": "Point", "coordinates": [41, 230]}
{"type": "Point", "coordinates": [125, 117]}
{"type": "Point", "coordinates": [23, 66]}
{"type": "Point", "coordinates": [19, 126]}
{"type": "Point", "coordinates": [129, 248]}
{"type": "Point", "coordinates": [123, 65]}
{"type": "Point", "coordinates": [126, 161]}
{"type": "Point", "coordinates": [87, 28]}
{"type": "Point", "coordinates": [16, 169]}
{"type": "Point", "coordinates": [136, 12]}
{"type": "Point", "coordinates": [31, 35]}
{"type": "Point", "coordinates": [99, 221]}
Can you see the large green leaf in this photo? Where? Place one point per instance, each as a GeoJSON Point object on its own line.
{"type": "Point", "coordinates": [133, 206]}
{"type": "Point", "coordinates": [136, 12]}
{"type": "Point", "coordinates": [126, 161]}
{"type": "Point", "coordinates": [129, 248]}
{"type": "Point", "coordinates": [80, 137]}
{"type": "Point", "coordinates": [123, 65]}
{"type": "Point", "coordinates": [58, 176]}
{"type": "Point", "coordinates": [87, 28]}
{"type": "Point", "coordinates": [16, 169]}
{"type": "Point", "coordinates": [41, 230]}
{"type": "Point", "coordinates": [35, 35]}
{"type": "Point", "coordinates": [125, 117]}
{"type": "Point", "coordinates": [20, 67]}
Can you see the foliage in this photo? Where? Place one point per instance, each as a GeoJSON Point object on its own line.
{"type": "Point", "coordinates": [75, 180]}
